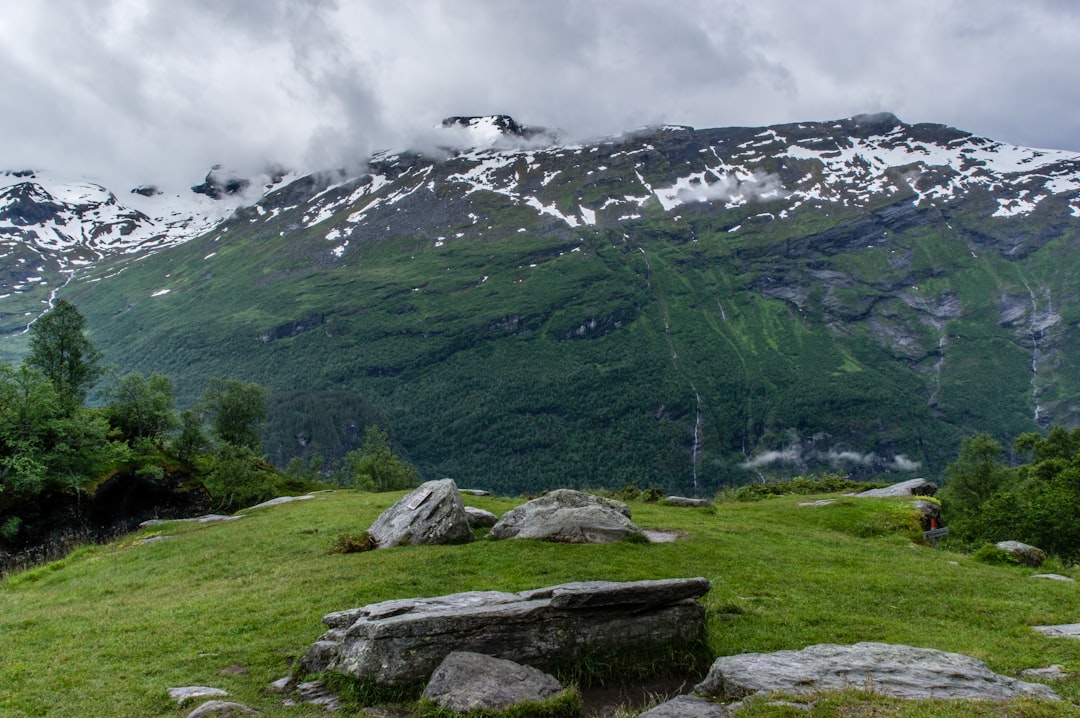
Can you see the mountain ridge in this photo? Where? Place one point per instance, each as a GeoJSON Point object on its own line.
{"type": "Point", "coordinates": [853, 295]}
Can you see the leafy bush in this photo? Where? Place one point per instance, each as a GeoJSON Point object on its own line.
{"type": "Point", "coordinates": [816, 484]}
{"type": "Point", "coordinates": [995, 556]}
{"type": "Point", "coordinates": [354, 543]}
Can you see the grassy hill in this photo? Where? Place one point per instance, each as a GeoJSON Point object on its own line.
{"type": "Point", "coordinates": [106, 631]}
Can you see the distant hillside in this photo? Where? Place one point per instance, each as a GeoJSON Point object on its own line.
{"type": "Point", "coordinates": [673, 307]}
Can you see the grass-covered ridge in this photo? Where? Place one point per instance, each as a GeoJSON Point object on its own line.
{"type": "Point", "coordinates": [106, 631]}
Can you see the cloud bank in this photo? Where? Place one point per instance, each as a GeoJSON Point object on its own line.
{"type": "Point", "coordinates": [140, 91]}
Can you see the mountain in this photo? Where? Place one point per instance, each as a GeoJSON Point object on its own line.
{"type": "Point", "coordinates": [672, 307]}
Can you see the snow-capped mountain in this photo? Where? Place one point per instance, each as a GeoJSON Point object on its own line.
{"type": "Point", "coordinates": [50, 227]}
{"type": "Point", "coordinates": [854, 294]}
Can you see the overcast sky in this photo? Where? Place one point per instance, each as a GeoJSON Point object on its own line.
{"type": "Point", "coordinates": [137, 91]}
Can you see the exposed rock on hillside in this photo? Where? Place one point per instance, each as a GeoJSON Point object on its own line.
{"type": "Point", "coordinates": [567, 516]}
{"type": "Point", "coordinates": [403, 641]}
{"type": "Point", "coordinates": [467, 681]}
{"type": "Point", "coordinates": [894, 670]}
{"type": "Point", "coordinates": [432, 513]}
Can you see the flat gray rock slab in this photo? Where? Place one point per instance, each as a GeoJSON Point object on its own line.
{"type": "Point", "coordinates": [1054, 577]}
{"type": "Point", "coordinates": [686, 502]}
{"type": "Point", "coordinates": [282, 500]}
{"type": "Point", "coordinates": [894, 670]}
{"type": "Point", "coordinates": [222, 709]}
{"type": "Point", "coordinates": [185, 693]}
{"type": "Point", "coordinates": [1065, 630]}
{"type": "Point", "coordinates": [914, 487]}
{"type": "Point", "coordinates": [467, 681]}
{"type": "Point", "coordinates": [688, 707]}
{"type": "Point", "coordinates": [403, 641]}
{"type": "Point", "coordinates": [1055, 672]}
{"type": "Point", "coordinates": [205, 519]}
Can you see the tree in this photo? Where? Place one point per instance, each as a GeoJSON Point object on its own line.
{"type": "Point", "coordinates": [975, 476]}
{"type": "Point", "coordinates": [191, 440]}
{"type": "Point", "coordinates": [142, 408]}
{"type": "Point", "coordinates": [375, 467]}
{"type": "Point", "coordinates": [239, 411]}
{"type": "Point", "coordinates": [60, 349]}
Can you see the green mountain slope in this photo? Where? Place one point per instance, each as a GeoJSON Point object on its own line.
{"type": "Point", "coordinates": [677, 308]}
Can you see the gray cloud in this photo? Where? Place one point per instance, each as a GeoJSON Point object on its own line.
{"type": "Point", "coordinates": [157, 90]}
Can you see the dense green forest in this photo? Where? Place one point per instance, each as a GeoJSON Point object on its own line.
{"type": "Point", "coordinates": [67, 467]}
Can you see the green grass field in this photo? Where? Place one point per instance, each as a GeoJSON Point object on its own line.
{"type": "Point", "coordinates": [106, 631]}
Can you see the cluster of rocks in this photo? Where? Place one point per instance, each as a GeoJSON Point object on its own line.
{"type": "Point", "coordinates": [434, 513]}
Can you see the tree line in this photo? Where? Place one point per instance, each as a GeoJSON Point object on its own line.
{"type": "Point", "coordinates": [987, 500]}
{"type": "Point", "coordinates": [53, 444]}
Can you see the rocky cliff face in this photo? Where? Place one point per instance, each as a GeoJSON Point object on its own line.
{"type": "Point", "coordinates": [688, 306]}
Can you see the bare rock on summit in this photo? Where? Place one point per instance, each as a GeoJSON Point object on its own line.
{"type": "Point", "coordinates": [893, 670]}
{"type": "Point", "coordinates": [567, 516]}
{"type": "Point", "coordinates": [430, 514]}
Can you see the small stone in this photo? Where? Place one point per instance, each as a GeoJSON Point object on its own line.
{"type": "Point", "coordinates": [688, 707]}
{"type": "Point", "coordinates": [684, 502]}
{"type": "Point", "coordinates": [819, 502]}
{"type": "Point", "coordinates": [1064, 630]}
{"type": "Point", "coordinates": [1054, 577]}
{"type": "Point", "coordinates": [185, 693]}
{"type": "Point", "coordinates": [282, 685]}
{"type": "Point", "coordinates": [222, 709]}
{"type": "Point", "coordinates": [1050, 673]}
{"type": "Point", "coordinates": [478, 518]}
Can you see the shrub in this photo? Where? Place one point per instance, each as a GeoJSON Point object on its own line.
{"type": "Point", "coordinates": [995, 556]}
{"type": "Point", "coordinates": [354, 543]}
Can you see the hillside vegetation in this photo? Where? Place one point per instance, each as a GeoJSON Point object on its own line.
{"type": "Point", "coordinates": [107, 630]}
{"type": "Point", "coordinates": [522, 320]}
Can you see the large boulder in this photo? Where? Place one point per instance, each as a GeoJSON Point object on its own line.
{"type": "Point", "coordinates": [401, 642]}
{"type": "Point", "coordinates": [894, 670]}
{"type": "Point", "coordinates": [914, 487]}
{"type": "Point", "coordinates": [430, 514]}
{"type": "Point", "coordinates": [467, 681]}
{"type": "Point", "coordinates": [1025, 554]}
{"type": "Point", "coordinates": [567, 516]}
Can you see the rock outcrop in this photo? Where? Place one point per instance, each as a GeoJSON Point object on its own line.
{"type": "Point", "coordinates": [402, 641]}
{"type": "Point", "coordinates": [894, 670]}
{"type": "Point", "coordinates": [567, 516]}
{"type": "Point", "coordinates": [430, 514]}
{"type": "Point", "coordinates": [914, 487]}
{"type": "Point", "coordinates": [467, 681]}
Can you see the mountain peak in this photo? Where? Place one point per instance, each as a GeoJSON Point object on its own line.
{"type": "Point", "coordinates": [483, 131]}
